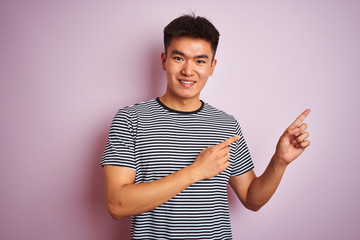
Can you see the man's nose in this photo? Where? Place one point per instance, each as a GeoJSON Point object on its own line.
{"type": "Point", "coordinates": [188, 68]}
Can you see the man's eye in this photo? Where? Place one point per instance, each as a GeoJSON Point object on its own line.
{"type": "Point", "coordinates": [178, 58]}
{"type": "Point", "coordinates": [200, 61]}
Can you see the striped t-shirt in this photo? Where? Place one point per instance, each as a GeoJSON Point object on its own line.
{"type": "Point", "coordinates": [155, 141]}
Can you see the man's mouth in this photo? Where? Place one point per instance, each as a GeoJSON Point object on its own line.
{"type": "Point", "coordinates": [186, 81]}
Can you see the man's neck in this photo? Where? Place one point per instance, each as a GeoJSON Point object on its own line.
{"type": "Point", "coordinates": [183, 105]}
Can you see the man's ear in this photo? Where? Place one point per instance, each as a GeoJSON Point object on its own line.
{"type": "Point", "coordinates": [163, 60]}
{"type": "Point", "coordinates": [213, 64]}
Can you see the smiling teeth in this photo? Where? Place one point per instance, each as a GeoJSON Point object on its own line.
{"type": "Point", "coordinates": [187, 82]}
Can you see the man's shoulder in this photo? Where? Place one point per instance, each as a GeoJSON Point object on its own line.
{"type": "Point", "coordinates": [140, 106]}
{"type": "Point", "coordinates": [214, 111]}
{"type": "Point", "coordinates": [135, 111]}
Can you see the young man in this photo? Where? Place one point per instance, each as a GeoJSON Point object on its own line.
{"type": "Point", "coordinates": [168, 160]}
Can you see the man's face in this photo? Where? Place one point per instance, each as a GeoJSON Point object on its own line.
{"type": "Point", "coordinates": [188, 65]}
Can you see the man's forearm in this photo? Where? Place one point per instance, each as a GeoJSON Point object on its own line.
{"type": "Point", "coordinates": [263, 187]}
{"type": "Point", "coordinates": [254, 191]}
{"type": "Point", "coordinates": [133, 199]}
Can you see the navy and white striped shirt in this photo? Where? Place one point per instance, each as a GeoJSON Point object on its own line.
{"type": "Point", "coordinates": [155, 141]}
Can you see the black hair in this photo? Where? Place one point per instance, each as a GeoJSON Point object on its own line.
{"type": "Point", "coordinates": [191, 26]}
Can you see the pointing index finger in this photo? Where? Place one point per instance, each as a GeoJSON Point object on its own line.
{"type": "Point", "coordinates": [300, 118]}
{"type": "Point", "coordinates": [228, 141]}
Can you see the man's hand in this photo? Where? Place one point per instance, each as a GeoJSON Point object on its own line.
{"type": "Point", "coordinates": [213, 160]}
{"type": "Point", "coordinates": [254, 191]}
{"type": "Point", "coordinates": [293, 141]}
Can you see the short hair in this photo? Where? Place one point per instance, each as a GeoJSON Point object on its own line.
{"type": "Point", "coordinates": [191, 26]}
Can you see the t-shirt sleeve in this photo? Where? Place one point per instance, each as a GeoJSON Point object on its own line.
{"type": "Point", "coordinates": [119, 149]}
{"type": "Point", "coordinates": [242, 158]}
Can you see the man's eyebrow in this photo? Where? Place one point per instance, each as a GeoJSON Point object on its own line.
{"type": "Point", "coordinates": [202, 56]}
{"type": "Point", "coordinates": [177, 52]}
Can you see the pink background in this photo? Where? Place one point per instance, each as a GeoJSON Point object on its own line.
{"type": "Point", "coordinates": [67, 66]}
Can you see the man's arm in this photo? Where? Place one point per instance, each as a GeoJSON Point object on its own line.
{"type": "Point", "coordinates": [254, 192]}
{"type": "Point", "coordinates": [124, 198]}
